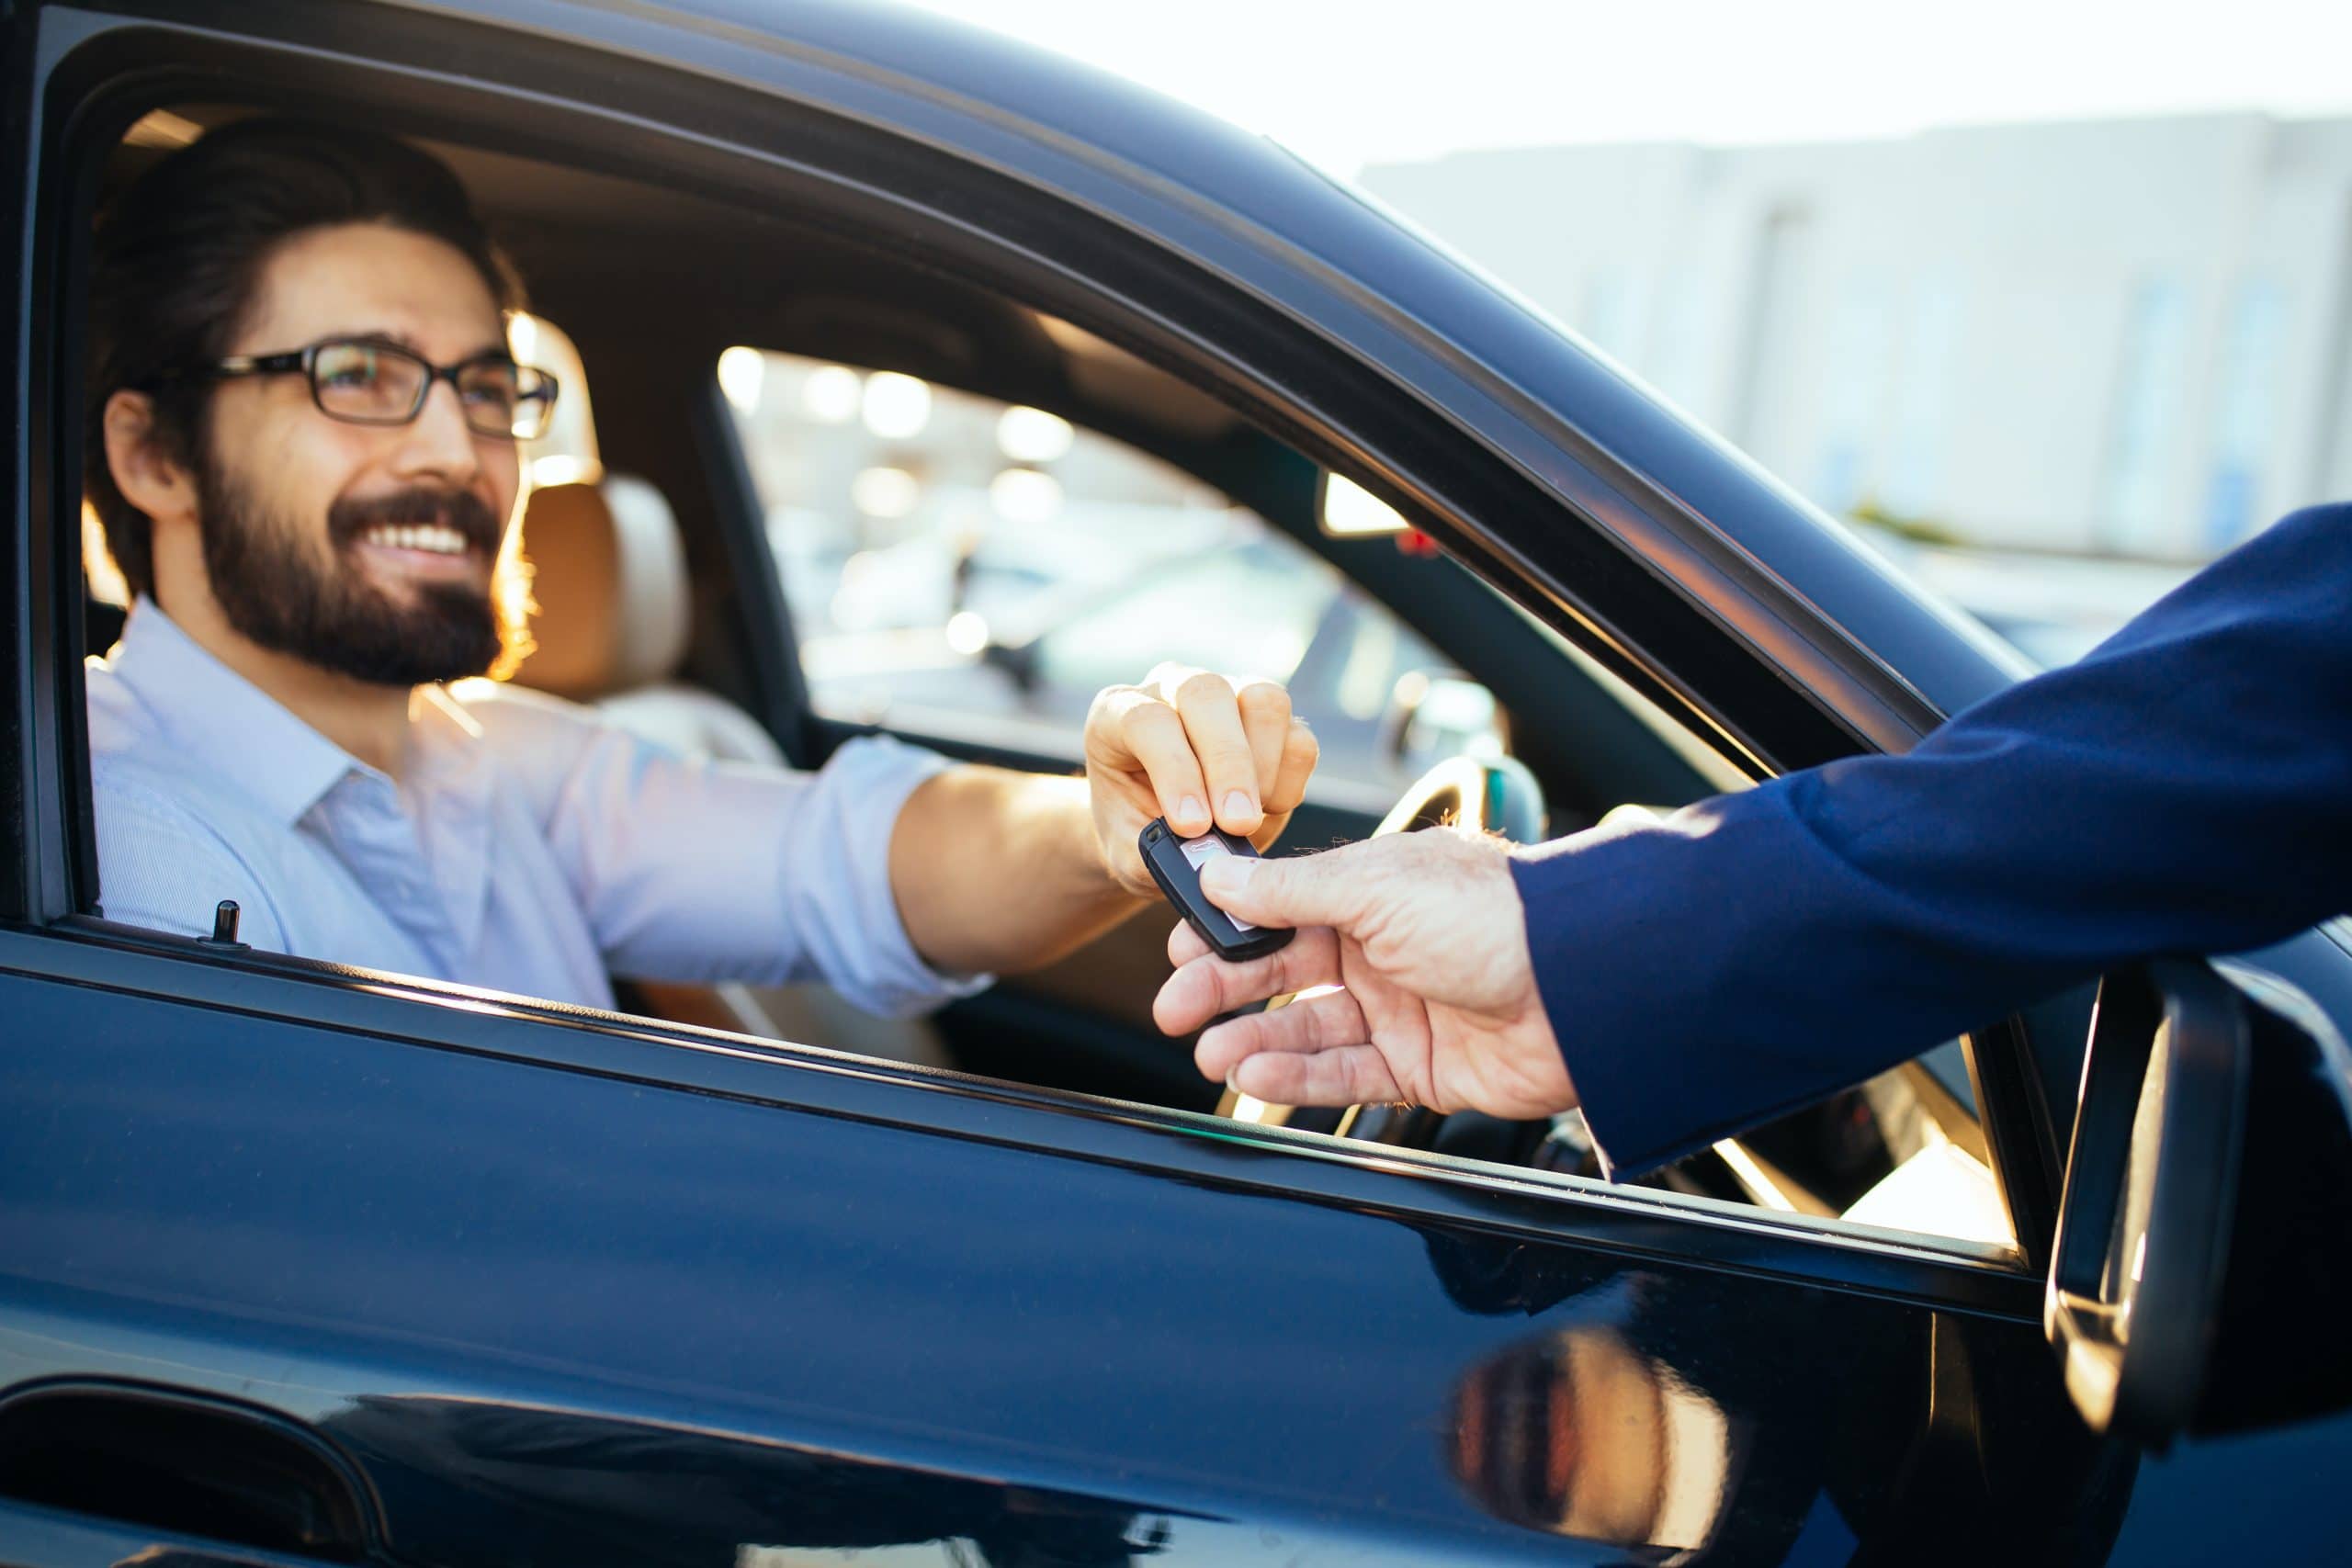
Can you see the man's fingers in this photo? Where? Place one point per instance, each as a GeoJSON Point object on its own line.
{"type": "Point", "coordinates": [1265, 722]}
{"type": "Point", "coordinates": [1324, 889]}
{"type": "Point", "coordinates": [1156, 739]}
{"type": "Point", "coordinates": [1351, 1075]}
{"type": "Point", "coordinates": [1326, 1022]}
{"type": "Point", "coordinates": [1184, 944]}
{"type": "Point", "coordinates": [1206, 985]}
{"type": "Point", "coordinates": [1213, 719]}
{"type": "Point", "coordinates": [1300, 752]}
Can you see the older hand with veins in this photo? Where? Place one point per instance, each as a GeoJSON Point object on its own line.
{"type": "Point", "coordinates": [1438, 1005]}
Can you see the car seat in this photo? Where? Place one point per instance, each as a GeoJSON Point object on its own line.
{"type": "Point", "coordinates": [609, 576]}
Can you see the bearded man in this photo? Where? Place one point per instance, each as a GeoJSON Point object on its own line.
{"type": "Point", "coordinates": [302, 436]}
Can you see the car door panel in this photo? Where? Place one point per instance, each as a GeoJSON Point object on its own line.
{"type": "Point", "coordinates": [536, 1304]}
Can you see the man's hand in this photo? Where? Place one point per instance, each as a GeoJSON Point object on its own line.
{"type": "Point", "coordinates": [1426, 934]}
{"type": "Point", "coordinates": [1198, 749]}
{"type": "Point", "coordinates": [1002, 872]}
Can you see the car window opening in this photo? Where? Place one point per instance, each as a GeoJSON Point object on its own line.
{"type": "Point", "coordinates": [967, 570]}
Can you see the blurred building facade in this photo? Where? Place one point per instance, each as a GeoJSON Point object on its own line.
{"type": "Point", "coordinates": [2128, 338]}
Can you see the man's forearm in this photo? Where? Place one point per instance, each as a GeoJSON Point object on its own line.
{"type": "Point", "coordinates": [999, 871]}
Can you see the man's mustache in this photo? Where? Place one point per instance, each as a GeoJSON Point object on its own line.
{"type": "Point", "coordinates": [462, 510]}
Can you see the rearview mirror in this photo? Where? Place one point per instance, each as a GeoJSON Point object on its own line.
{"type": "Point", "coordinates": [2133, 1299]}
{"type": "Point", "coordinates": [1019, 661]}
{"type": "Point", "coordinates": [1345, 510]}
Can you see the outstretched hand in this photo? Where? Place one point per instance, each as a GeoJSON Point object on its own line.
{"type": "Point", "coordinates": [1199, 749]}
{"type": "Point", "coordinates": [1425, 934]}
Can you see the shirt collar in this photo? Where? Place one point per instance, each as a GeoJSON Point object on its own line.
{"type": "Point", "coordinates": [222, 722]}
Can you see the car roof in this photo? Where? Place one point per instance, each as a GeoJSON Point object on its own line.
{"type": "Point", "coordinates": [1243, 203]}
{"type": "Point", "coordinates": [1795, 584]}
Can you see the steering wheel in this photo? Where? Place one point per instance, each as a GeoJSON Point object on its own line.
{"type": "Point", "coordinates": [1492, 795]}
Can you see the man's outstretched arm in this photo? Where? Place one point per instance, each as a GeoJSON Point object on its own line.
{"type": "Point", "coordinates": [2185, 788]}
{"type": "Point", "coordinates": [2188, 788]}
{"type": "Point", "coordinates": [998, 871]}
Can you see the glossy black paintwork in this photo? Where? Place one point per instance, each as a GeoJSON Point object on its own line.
{"type": "Point", "coordinates": [566, 1289]}
{"type": "Point", "coordinates": [542, 1308]}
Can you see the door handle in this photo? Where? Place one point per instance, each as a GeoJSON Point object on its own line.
{"type": "Point", "coordinates": [90, 1464]}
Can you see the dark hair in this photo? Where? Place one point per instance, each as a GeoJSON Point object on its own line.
{"type": "Point", "coordinates": [180, 252]}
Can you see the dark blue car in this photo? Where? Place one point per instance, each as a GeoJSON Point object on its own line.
{"type": "Point", "coordinates": [303, 1263]}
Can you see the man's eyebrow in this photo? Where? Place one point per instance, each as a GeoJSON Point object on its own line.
{"type": "Point", "coordinates": [396, 339]}
{"type": "Point", "coordinates": [388, 336]}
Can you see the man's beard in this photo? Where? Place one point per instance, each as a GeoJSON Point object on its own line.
{"type": "Point", "coordinates": [274, 593]}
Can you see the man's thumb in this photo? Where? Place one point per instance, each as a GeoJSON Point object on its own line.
{"type": "Point", "coordinates": [1297, 890]}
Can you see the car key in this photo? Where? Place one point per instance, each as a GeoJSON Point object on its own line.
{"type": "Point", "coordinates": [1175, 863]}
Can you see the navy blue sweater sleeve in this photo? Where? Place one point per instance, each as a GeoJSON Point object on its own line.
{"type": "Point", "coordinates": [2187, 787]}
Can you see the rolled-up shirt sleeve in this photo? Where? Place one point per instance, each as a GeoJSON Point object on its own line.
{"type": "Point", "coordinates": [699, 871]}
{"type": "Point", "coordinates": [837, 891]}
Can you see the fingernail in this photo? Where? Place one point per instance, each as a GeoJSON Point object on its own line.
{"type": "Point", "coordinates": [1190, 810]}
{"type": "Point", "coordinates": [1238, 805]}
{"type": "Point", "coordinates": [1228, 874]}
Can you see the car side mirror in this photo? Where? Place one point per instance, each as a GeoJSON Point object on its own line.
{"type": "Point", "coordinates": [2133, 1300]}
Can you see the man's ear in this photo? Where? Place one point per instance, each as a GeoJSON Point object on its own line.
{"type": "Point", "coordinates": [147, 475]}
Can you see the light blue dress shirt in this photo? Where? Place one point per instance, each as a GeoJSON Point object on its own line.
{"type": "Point", "coordinates": [527, 846]}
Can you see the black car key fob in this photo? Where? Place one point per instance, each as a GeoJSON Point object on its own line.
{"type": "Point", "coordinates": [1175, 863]}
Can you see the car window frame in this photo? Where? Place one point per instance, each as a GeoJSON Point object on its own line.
{"type": "Point", "coordinates": [54, 816]}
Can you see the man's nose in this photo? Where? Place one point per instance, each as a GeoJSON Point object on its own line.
{"type": "Point", "coordinates": [439, 441]}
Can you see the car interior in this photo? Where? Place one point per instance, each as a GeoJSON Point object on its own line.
{"type": "Point", "coordinates": [660, 524]}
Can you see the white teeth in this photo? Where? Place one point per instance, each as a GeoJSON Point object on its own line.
{"type": "Point", "coordinates": [434, 538]}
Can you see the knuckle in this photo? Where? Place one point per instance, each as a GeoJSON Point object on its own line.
{"type": "Point", "coordinates": [1204, 686]}
{"type": "Point", "coordinates": [1231, 991]}
{"type": "Point", "coordinates": [1113, 697]}
{"type": "Point", "coordinates": [1263, 699]}
{"type": "Point", "coordinates": [1228, 761]}
{"type": "Point", "coordinates": [1144, 720]}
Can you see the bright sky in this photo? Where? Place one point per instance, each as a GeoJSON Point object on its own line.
{"type": "Point", "coordinates": [1351, 82]}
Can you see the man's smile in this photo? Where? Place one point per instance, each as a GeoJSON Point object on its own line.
{"type": "Point", "coordinates": [430, 551]}
{"type": "Point", "coordinates": [419, 537]}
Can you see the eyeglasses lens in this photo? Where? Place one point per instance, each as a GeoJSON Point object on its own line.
{"type": "Point", "coordinates": [372, 384]}
{"type": "Point", "coordinates": [534, 403]}
{"type": "Point", "coordinates": [503, 398]}
{"type": "Point", "coordinates": [367, 382]}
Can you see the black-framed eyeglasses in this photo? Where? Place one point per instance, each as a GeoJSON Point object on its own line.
{"type": "Point", "coordinates": [365, 381]}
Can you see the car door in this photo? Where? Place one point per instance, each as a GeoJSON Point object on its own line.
{"type": "Point", "coordinates": [533, 1291]}
{"type": "Point", "coordinates": [349, 1267]}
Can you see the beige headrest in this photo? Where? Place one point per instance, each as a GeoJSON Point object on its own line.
{"type": "Point", "coordinates": [609, 576]}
